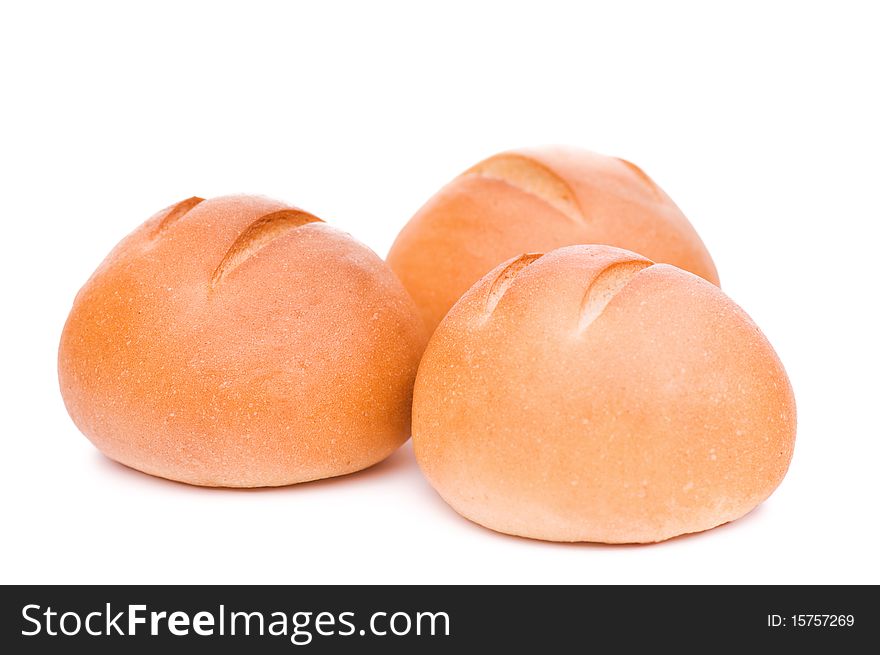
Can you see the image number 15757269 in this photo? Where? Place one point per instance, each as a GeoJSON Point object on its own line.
{"type": "Point", "coordinates": [811, 621]}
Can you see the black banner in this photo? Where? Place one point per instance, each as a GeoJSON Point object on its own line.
{"type": "Point", "coordinates": [282, 619]}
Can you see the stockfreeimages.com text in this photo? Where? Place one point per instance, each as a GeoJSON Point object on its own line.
{"type": "Point", "coordinates": [300, 627]}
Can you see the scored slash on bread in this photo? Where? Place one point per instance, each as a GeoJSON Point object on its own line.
{"type": "Point", "coordinates": [599, 291]}
{"type": "Point", "coordinates": [257, 235]}
{"type": "Point", "coordinates": [506, 277]}
{"type": "Point", "coordinates": [607, 284]}
{"type": "Point", "coordinates": [529, 175]}
{"type": "Point", "coordinates": [176, 212]}
{"type": "Point", "coordinates": [537, 200]}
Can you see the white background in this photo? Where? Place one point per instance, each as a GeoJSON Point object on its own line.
{"type": "Point", "coordinates": [760, 120]}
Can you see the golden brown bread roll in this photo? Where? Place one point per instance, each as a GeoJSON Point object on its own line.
{"type": "Point", "coordinates": [536, 200]}
{"type": "Point", "coordinates": [591, 395]}
{"type": "Point", "coordinates": [241, 342]}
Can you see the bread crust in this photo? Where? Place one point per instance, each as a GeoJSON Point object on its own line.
{"type": "Point", "coordinates": [601, 398]}
{"type": "Point", "coordinates": [241, 342]}
{"type": "Point", "coordinates": [537, 200]}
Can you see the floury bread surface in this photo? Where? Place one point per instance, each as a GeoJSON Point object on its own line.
{"type": "Point", "coordinates": [591, 395]}
{"type": "Point", "coordinates": [241, 342]}
{"type": "Point", "coordinates": [536, 200]}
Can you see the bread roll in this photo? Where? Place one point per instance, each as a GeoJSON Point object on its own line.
{"type": "Point", "coordinates": [591, 395]}
{"type": "Point", "coordinates": [535, 200]}
{"type": "Point", "coordinates": [241, 342]}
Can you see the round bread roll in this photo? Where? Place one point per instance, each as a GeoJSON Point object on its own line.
{"type": "Point", "coordinates": [240, 342]}
{"type": "Point", "coordinates": [537, 200]}
{"type": "Point", "coordinates": [591, 395]}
